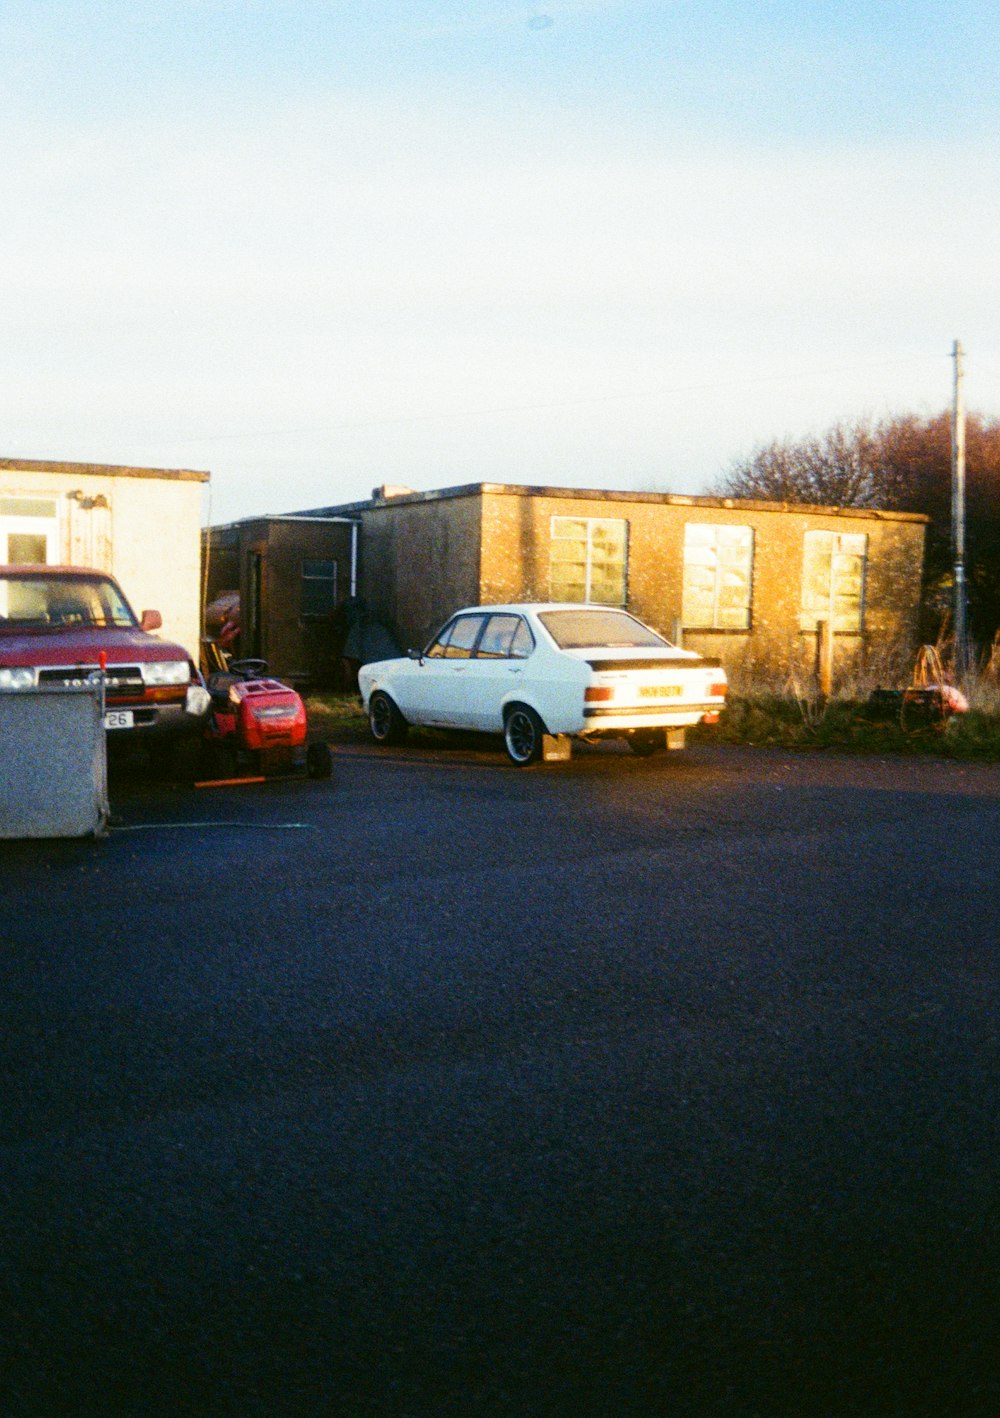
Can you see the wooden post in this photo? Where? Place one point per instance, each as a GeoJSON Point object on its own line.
{"type": "Point", "coordinates": [824, 656]}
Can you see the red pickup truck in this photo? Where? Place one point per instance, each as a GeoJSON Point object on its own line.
{"type": "Point", "coordinates": [54, 623]}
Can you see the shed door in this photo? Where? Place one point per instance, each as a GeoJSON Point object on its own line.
{"type": "Point", "coordinates": [90, 532]}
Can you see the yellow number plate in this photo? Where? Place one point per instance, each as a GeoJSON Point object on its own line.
{"type": "Point", "coordinates": [658, 691]}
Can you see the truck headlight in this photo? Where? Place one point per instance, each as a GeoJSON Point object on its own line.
{"type": "Point", "coordinates": [19, 678]}
{"type": "Point", "coordinates": [166, 672]}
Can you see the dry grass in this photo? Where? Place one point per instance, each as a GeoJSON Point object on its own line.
{"type": "Point", "coordinates": [794, 715]}
{"type": "Point", "coordinates": [779, 704]}
{"type": "Point", "coordinates": [339, 718]}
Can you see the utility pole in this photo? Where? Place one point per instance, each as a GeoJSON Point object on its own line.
{"type": "Point", "coordinates": [958, 515]}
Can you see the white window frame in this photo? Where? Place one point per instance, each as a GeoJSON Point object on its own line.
{"type": "Point", "coordinates": [689, 619]}
{"type": "Point", "coordinates": [845, 547]}
{"type": "Point", "coordinates": [30, 525]}
{"type": "Point", "coordinates": [557, 533]}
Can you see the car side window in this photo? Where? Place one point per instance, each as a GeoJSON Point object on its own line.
{"type": "Point", "coordinates": [439, 647]}
{"type": "Point", "coordinates": [522, 642]}
{"type": "Point", "coordinates": [464, 632]}
{"type": "Point", "coordinates": [498, 637]}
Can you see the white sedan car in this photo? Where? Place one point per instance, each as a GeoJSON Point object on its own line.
{"type": "Point", "coordinates": [528, 671]}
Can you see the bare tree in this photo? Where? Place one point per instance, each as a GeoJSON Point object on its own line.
{"type": "Point", "coordinates": [840, 468]}
{"type": "Point", "coordinates": [901, 464]}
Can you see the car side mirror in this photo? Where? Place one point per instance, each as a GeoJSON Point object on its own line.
{"type": "Point", "coordinates": [415, 654]}
{"type": "Point", "coordinates": [151, 620]}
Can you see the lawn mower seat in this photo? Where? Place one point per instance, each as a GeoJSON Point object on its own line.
{"type": "Point", "coordinates": [218, 685]}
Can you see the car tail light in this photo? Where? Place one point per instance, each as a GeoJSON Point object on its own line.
{"type": "Point", "coordinates": [595, 692]}
{"type": "Point", "coordinates": [719, 688]}
{"type": "Point", "coordinates": [712, 718]}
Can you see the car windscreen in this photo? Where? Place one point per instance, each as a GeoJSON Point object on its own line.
{"type": "Point", "coordinates": [31, 601]}
{"type": "Point", "coordinates": [593, 629]}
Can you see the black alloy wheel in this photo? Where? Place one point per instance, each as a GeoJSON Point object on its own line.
{"type": "Point", "coordinates": [523, 732]}
{"type": "Point", "coordinates": [386, 723]}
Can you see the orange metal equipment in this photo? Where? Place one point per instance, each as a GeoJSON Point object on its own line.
{"type": "Point", "coordinates": [261, 722]}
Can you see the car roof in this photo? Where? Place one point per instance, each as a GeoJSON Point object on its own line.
{"type": "Point", "coordinates": [537, 607]}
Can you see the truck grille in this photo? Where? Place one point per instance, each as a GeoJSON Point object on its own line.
{"type": "Point", "coordinates": [121, 679]}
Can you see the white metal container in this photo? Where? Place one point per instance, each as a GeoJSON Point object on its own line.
{"type": "Point", "coordinates": [53, 762]}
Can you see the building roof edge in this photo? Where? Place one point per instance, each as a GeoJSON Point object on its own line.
{"type": "Point", "coordinates": [104, 470]}
{"type": "Point", "coordinates": [672, 499]}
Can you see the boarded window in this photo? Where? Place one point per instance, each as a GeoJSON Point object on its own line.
{"type": "Point", "coordinates": [27, 548]}
{"type": "Point", "coordinates": [28, 530]}
{"type": "Point", "coordinates": [833, 580]}
{"type": "Point", "coordinates": [718, 570]}
{"type": "Point", "coordinates": [588, 560]}
{"type": "Point", "coordinates": [319, 588]}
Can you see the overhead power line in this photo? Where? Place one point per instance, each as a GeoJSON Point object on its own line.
{"type": "Point", "coordinates": [493, 411]}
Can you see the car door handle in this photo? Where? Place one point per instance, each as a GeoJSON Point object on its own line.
{"type": "Point", "coordinates": [514, 669]}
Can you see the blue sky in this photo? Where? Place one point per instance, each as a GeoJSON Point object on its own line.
{"type": "Point", "coordinates": [317, 246]}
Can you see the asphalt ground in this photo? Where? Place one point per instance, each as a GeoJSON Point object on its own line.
{"type": "Point", "coordinates": [617, 1087]}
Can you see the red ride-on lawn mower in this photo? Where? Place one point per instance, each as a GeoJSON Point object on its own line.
{"type": "Point", "coordinates": [258, 725]}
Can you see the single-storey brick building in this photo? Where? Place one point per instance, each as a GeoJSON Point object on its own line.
{"type": "Point", "coordinates": [143, 525]}
{"type": "Point", "coordinates": [747, 581]}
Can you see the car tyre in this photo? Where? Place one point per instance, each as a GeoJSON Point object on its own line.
{"type": "Point", "coordinates": [178, 761]}
{"type": "Point", "coordinates": [385, 722]}
{"type": "Point", "coordinates": [523, 732]}
{"type": "Point", "coordinates": [221, 760]}
{"type": "Point", "coordinates": [319, 760]}
{"type": "Point", "coordinates": [645, 742]}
